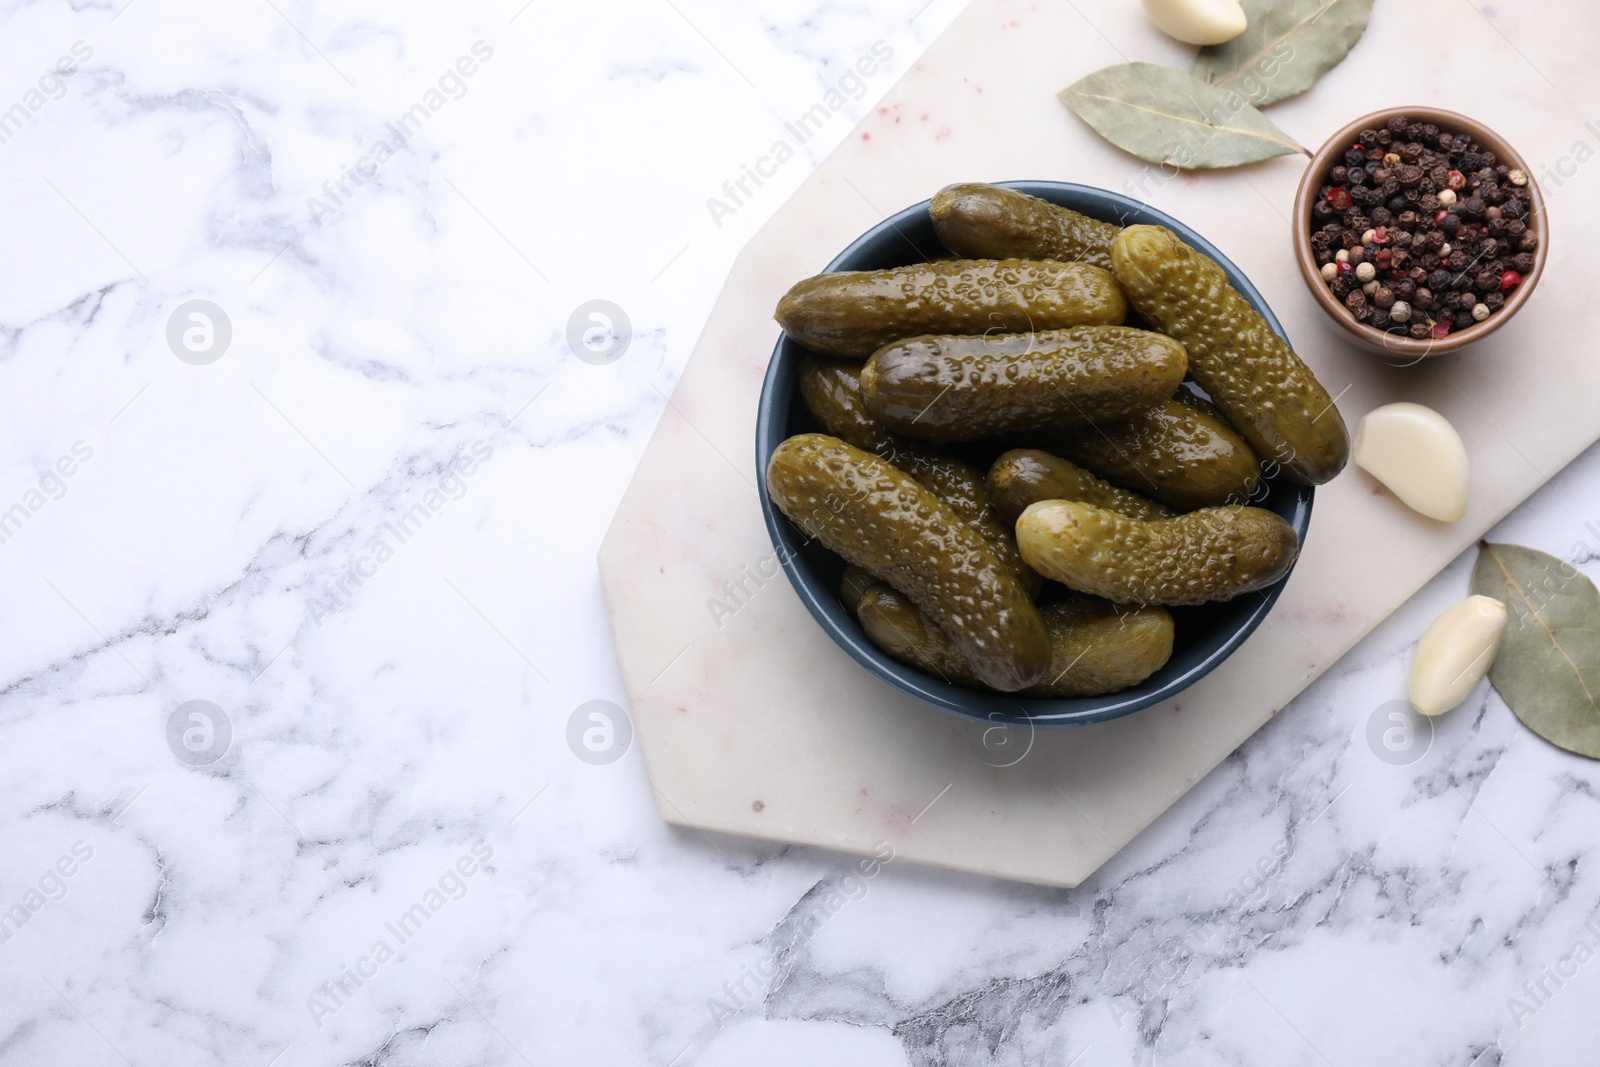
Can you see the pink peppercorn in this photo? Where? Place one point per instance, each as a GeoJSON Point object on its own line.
{"type": "Point", "coordinates": [1510, 280]}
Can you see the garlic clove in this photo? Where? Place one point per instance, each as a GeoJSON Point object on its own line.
{"type": "Point", "coordinates": [1417, 454]}
{"type": "Point", "coordinates": [1200, 22]}
{"type": "Point", "coordinates": [1455, 653]}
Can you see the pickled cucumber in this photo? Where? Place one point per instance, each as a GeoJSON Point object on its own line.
{"type": "Point", "coordinates": [1182, 453]}
{"type": "Point", "coordinates": [1095, 648]}
{"type": "Point", "coordinates": [855, 313]}
{"type": "Point", "coordinates": [1208, 555]}
{"type": "Point", "coordinates": [831, 391]}
{"type": "Point", "coordinates": [993, 222]}
{"type": "Point", "coordinates": [1251, 372]}
{"type": "Point", "coordinates": [969, 388]}
{"type": "Point", "coordinates": [854, 584]}
{"type": "Point", "coordinates": [884, 521]}
{"type": "Point", "coordinates": [1026, 476]}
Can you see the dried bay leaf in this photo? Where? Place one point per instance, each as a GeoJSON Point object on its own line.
{"type": "Point", "coordinates": [1548, 669]}
{"type": "Point", "coordinates": [1168, 116]}
{"type": "Point", "coordinates": [1286, 47]}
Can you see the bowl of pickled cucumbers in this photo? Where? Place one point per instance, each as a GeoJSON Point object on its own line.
{"type": "Point", "coordinates": [1037, 453]}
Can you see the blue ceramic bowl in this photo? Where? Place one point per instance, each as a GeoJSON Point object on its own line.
{"type": "Point", "coordinates": [1206, 635]}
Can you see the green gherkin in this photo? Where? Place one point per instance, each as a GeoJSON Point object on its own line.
{"type": "Point", "coordinates": [1182, 453]}
{"type": "Point", "coordinates": [1208, 555]}
{"type": "Point", "coordinates": [993, 222]}
{"type": "Point", "coordinates": [969, 388]}
{"type": "Point", "coordinates": [831, 391]}
{"type": "Point", "coordinates": [1026, 476]}
{"type": "Point", "coordinates": [1095, 648]}
{"type": "Point", "coordinates": [1251, 372]}
{"type": "Point", "coordinates": [854, 584]}
{"type": "Point", "coordinates": [884, 521]}
{"type": "Point", "coordinates": [854, 313]}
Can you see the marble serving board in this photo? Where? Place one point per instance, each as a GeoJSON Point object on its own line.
{"type": "Point", "coordinates": [753, 722]}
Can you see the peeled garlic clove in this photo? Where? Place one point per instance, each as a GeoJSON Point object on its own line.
{"type": "Point", "coordinates": [1197, 21]}
{"type": "Point", "coordinates": [1416, 453]}
{"type": "Point", "coordinates": [1455, 653]}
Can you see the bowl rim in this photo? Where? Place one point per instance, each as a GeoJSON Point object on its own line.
{"type": "Point", "coordinates": [998, 708]}
{"type": "Point", "coordinates": [1377, 341]}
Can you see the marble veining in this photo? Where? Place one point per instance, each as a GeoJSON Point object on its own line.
{"type": "Point", "coordinates": [358, 547]}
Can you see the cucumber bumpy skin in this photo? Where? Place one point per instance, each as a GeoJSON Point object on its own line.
{"type": "Point", "coordinates": [968, 388]}
{"type": "Point", "coordinates": [1209, 555]}
{"type": "Point", "coordinates": [852, 314]}
{"type": "Point", "coordinates": [831, 391]}
{"type": "Point", "coordinates": [1095, 648]}
{"type": "Point", "coordinates": [993, 222]}
{"type": "Point", "coordinates": [1026, 476]}
{"type": "Point", "coordinates": [854, 584]}
{"type": "Point", "coordinates": [1249, 371]}
{"type": "Point", "coordinates": [886, 522]}
{"type": "Point", "coordinates": [1183, 453]}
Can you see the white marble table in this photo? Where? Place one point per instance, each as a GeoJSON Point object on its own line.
{"type": "Point", "coordinates": [363, 534]}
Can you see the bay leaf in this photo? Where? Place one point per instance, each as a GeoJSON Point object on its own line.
{"type": "Point", "coordinates": [1168, 116]}
{"type": "Point", "coordinates": [1286, 47]}
{"type": "Point", "coordinates": [1548, 669]}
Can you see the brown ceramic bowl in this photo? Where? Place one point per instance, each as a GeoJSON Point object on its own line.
{"type": "Point", "coordinates": [1373, 340]}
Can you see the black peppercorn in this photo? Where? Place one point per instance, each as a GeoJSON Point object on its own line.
{"type": "Point", "coordinates": [1523, 262]}
{"type": "Point", "coordinates": [1463, 319]}
{"type": "Point", "coordinates": [1363, 315]}
{"type": "Point", "coordinates": [1396, 203]}
{"type": "Point", "coordinates": [1354, 157]}
{"type": "Point", "coordinates": [1473, 206]}
{"type": "Point", "coordinates": [1384, 298]}
{"type": "Point", "coordinates": [1450, 224]}
{"type": "Point", "coordinates": [1397, 124]}
{"type": "Point", "coordinates": [1406, 290]}
{"type": "Point", "coordinates": [1380, 318]}
{"type": "Point", "coordinates": [1419, 331]}
{"type": "Point", "coordinates": [1356, 299]}
{"type": "Point", "coordinates": [1495, 300]}
{"type": "Point", "coordinates": [1339, 175]}
{"type": "Point", "coordinates": [1439, 279]}
{"type": "Point", "coordinates": [1425, 299]}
